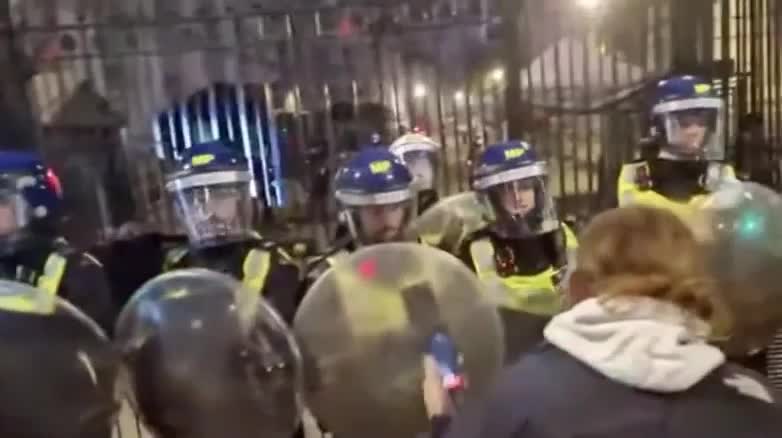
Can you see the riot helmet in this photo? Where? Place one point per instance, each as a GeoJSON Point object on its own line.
{"type": "Point", "coordinates": [512, 185]}
{"type": "Point", "coordinates": [687, 118]}
{"type": "Point", "coordinates": [212, 190]}
{"type": "Point", "coordinates": [374, 190]}
{"type": "Point", "coordinates": [421, 155]}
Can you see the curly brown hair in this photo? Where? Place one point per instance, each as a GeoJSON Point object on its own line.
{"type": "Point", "coordinates": [649, 252]}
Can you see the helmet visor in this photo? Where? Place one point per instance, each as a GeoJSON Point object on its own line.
{"type": "Point", "coordinates": [15, 211]}
{"type": "Point", "coordinates": [423, 167]}
{"type": "Point", "coordinates": [521, 208]}
{"type": "Point", "coordinates": [694, 130]}
{"type": "Point", "coordinates": [215, 212]}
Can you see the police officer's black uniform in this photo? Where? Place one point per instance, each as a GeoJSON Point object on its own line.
{"type": "Point", "coordinates": [260, 264]}
{"type": "Point", "coordinates": [212, 197]}
{"type": "Point", "coordinates": [61, 270]}
{"type": "Point", "coordinates": [31, 253]}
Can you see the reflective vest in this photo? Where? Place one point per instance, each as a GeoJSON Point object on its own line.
{"type": "Point", "coordinates": [48, 282]}
{"type": "Point", "coordinates": [631, 188]}
{"type": "Point", "coordinates": [255, 267]}
{"type": "Point", "coordinates": [537, 294]}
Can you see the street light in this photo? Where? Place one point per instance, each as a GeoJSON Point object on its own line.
{"type": "Point", "coordinates": [497, 75]}
{"type": "Point", "coordinates": [419, 90]}
{"type": "Point", "coordinates": [459, 96]}
{"type": "Point", "coordinates": [589, 4]}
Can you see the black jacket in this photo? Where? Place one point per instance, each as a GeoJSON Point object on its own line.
{"type": "Point", "coordinates": [550, 394]}
{"type": "Point", "coordinates": [131, 263]}
{"type": "Point", "coordinates": [283, 286]}
{"type": "Point", "coordinates": [84, 282]}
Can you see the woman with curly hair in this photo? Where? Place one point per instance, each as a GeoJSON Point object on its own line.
{"type": "Point", "coordinates": [630, 358]}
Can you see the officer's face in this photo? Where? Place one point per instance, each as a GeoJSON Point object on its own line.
{"type": "Point", "coordinates": [382, 223]}
{"type": "Point", "coordinates": [692, 131]}
{"type": "Point", "coordinates": [223, 206]}
{"type": "Point", "coordinates": [518, 201]}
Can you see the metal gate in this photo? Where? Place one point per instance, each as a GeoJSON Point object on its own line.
{"type": "Point", "coordinates": [296, 89]}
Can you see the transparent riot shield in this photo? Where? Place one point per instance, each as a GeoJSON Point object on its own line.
{"type": "Point", "coordinates": [60, 372]}
{"type": "Point", "coordinates": [207, 357]}
{"type": "Point", "coordinates": [740, 225]}
{"type": "Point", "coordinates": [450, 221]}
{"type": "Point", "coordinates": [365, 325]}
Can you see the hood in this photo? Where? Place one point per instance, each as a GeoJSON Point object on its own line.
{"type": "Point", "coordinates": [640, 342]}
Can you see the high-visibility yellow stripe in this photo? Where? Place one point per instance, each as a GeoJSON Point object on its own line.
{"type": "Point", "coordinates": [53, 272]}
{"type": "Point", "coordinates": [535, 294]}
{"type": "Point", "coordinates": [255, 269]}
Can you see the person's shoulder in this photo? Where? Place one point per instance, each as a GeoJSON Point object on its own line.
{"type": "Point", "coordinates": [543, 367]}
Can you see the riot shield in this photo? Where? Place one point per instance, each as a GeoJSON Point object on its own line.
{"type": "Point", "coordinates": [450, 221]}
{"type": "Point", "coordinates": [208, 357]}
{"type": "Point", "coordinates": [741, 227]}
{"type": "Point", "coordinates": [60, 370]}
{"type": "Point", "coordinates": [363, 328]}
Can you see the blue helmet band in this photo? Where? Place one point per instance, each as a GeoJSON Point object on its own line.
{"type": "Point", "coordinates": [533, 170]}
{"type": "Point", "coordinates": [207, 179]}
{"type": "Point", "coordinates": [688, 104]}
{"type": "Point", "coordinates": [364, 199]}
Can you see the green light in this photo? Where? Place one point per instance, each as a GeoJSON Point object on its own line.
{"type": "Point", "coordinates": [751, 225]}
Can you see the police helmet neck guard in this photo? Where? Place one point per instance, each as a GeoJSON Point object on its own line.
{"type": "Point", "coordinates": [505, 172]}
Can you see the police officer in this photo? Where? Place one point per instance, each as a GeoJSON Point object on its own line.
{"type": "Point", "coordinates": [524, 250]}
{"type": "Point", "coordinates": [377, 202]}
{"type": "Point", "coordinates": [376, 196]}
{"type": "Point", "coordinates": [212, 199]}
{"type": "Point", "coordinates": [421, 154]}
{"type": "Point", "coordinates": [30, 249]}
{"type": "Point", "coordinates": [687, 128]}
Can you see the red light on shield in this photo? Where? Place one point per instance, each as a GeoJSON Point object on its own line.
{"type": "Point", "coordinates": [367, 269]}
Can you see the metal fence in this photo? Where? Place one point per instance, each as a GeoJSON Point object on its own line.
{"type": "Point", "coordinates": [295, 89]}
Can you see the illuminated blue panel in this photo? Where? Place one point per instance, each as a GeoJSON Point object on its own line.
{"type": "Point", "coordinates": [225, 112]}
